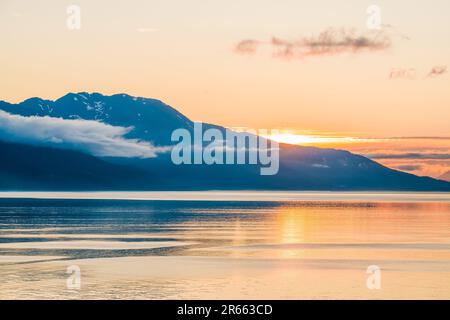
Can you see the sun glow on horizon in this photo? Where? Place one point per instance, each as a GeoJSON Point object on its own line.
{"type": "Point", "coordinates": [424, 156]}
{"type": "Point", "coordinates": [302, 139]}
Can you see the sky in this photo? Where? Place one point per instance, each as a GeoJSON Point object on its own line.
{"type": "Point", "coordinates": [312, 69]}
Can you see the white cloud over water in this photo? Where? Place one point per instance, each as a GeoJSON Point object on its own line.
{"type": "Point", "coordinates": [88, 136]}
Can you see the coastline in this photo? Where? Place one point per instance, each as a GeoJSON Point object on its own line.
{"type": "Point", "coordinates": [235, 196]}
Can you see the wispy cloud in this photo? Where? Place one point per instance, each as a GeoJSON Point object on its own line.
{"type": "Point", "coordinates": [420, 138]}
{"type": "Point", "coordinates": [408, 167]}
{"type": "Point", "coordinates": [88, 136]}
{"type": "Point", "coordinates": [437, 71]}
{"type": "Point", "coordinates": [395, 32]}
{"type": "Point", "coordinates": [247, 46]}
{"type": "Point", "coordinates": [427, 156]}
{"type": "Point", "coordinates": [410, 73]}
{"type": "Point", "coordinates": [329, 42]}
{"type": "Point", "coordinates": [402, 73]}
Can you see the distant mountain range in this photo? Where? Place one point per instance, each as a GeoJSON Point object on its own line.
{"type": "Point", "coordinates": [25, 165]}
{"type": "Point", "coordinates": [445, 176]}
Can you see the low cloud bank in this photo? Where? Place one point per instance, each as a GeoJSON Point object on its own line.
{"type": "Point", "coordinates": [88, 136]}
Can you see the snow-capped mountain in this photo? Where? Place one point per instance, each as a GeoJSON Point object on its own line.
{"type": "Point", "coordinates": [150, 120]}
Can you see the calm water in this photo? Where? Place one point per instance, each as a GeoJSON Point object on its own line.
{"type": "Point", "coordinates": [225, 245]}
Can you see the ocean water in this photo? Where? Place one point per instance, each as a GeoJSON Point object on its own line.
{"type": "Point", "coordinates": [224, 245]}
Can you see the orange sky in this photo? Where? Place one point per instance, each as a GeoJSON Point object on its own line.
{"type": "Point", "coordinates": [428, 156]}
{"type": "Point", "coordinates": [183, 52]}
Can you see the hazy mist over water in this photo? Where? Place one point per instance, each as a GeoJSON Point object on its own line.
{"type": "Point", "coordinates": [234, 245]}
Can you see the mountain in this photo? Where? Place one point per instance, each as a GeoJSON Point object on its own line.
{"type": "Point", "coordinates": [25, 167]}
{"type": "Point", "coordinates": [152, 119]}
{"type": "Point", "coordinates": [301, 168]}
{"type": "Point", "coordinates": [445, 176]}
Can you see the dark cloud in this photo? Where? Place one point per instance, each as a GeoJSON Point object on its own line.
{"type": "Point", "coordinates": [437, 71]}
{"type": "Point", "coordinates": [408, 167]}
{"type": "Point", "coordinates": [334, 41]}
{"type": "Point", "coordinates": [329, 42]}
{"type": "Point", "coordinates": [423, 156]}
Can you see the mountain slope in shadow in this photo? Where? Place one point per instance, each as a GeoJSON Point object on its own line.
{"type": "Point", "coordinates": [301, 168]}
{"type": "Point", "coordinates": [26, 167]}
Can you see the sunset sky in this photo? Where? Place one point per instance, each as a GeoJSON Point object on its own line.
{"type": "Point", "coordinates": [390, 101]}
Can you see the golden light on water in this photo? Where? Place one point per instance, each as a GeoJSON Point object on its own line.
{"type": "Point", "coordinates": [290, 226]}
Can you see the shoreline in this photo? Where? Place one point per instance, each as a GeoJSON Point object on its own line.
{"type": "Point", "coordinates": [269, 196]}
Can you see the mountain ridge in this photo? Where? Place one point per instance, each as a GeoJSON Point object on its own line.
{"type": "Point", "coordinates": [301, 168]}
{"type": "Point", "coordinates": [445, 176]}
